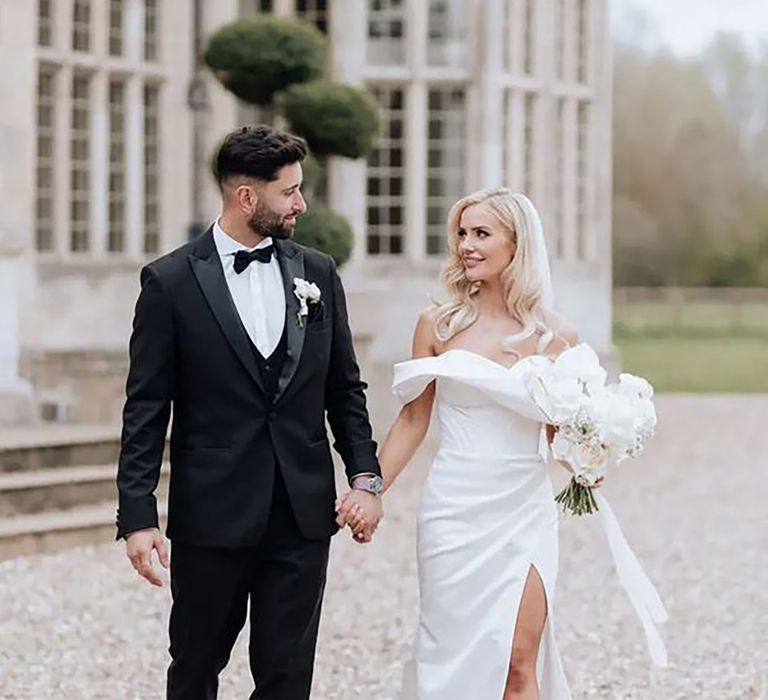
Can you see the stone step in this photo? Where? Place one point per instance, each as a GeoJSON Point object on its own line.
{"type": "Point", "coordinates": [55, 446]}
{"type": "Point", "coordinates": [54, 531]}
{"type": "Point", "coordinates": [41, 490]}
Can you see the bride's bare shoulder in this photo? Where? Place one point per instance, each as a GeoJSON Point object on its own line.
{"type": "Point", "coordinates": [425, 340]}
{"type": "Point", "coordinates": [562, 328]}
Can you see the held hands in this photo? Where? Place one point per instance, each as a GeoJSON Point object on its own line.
{"type": "Point", "coordinates": [138, 549]}
{"type": "Point", "coordinates": [362, 512]}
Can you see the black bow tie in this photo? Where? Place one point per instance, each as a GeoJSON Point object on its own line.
{"type": "Point", "coordinates": [243, 258]}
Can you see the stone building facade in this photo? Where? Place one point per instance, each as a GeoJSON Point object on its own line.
{"type": "Point", "coordinates": [109, 119]}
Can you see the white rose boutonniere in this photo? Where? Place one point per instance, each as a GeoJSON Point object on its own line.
{"type": "Point", "coordinates": [307, 293]}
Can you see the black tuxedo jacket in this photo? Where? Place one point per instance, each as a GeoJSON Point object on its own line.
{"type": "Point", "coordinates": [190, 352]}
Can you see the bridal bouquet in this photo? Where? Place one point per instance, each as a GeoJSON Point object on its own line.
{"type": "Point", "coordinates": [596, 424]}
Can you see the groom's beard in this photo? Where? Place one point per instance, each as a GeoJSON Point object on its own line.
{"type": "Point", "coordinates": [266, 222]}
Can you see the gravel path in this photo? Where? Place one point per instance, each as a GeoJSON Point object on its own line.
{"type": "Point", "coordinates": [79, 625]}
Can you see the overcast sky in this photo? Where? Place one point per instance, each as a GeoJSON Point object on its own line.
{"type": "Point", "coordinates": [686, 26]}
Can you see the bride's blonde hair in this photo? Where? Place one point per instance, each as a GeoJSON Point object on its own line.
{"type": "Point", "coordinates": [522, 286]}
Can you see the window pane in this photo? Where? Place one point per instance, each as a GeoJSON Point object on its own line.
{"type": "Point", "coordinates": [116, 27]}
{"type": "Point", "coordinates": [253, 7]}
{"type": "Point", "coordinates": [116, 237]}
{"type": "Point", "coordinates": [582, 181]}
{"type": "Point", "coordinates": [314, 11]}
{"type": "Point", "coordinates": [520, 22]}
{"type": "Point", "coordinates": [385, 175]}
{"type": "Point", "coordinates": [447, 34]}
{"type": "Point", "coordinates": [80, 167]}
{"type": "Point", "coordinates": [529, 143]}
{"type": "Point", "coordinates": [559, 179]}
{"type": "Point", "coordinates": [151, 20]}
{"type": "Point", "coordinates": [385, 32]}
{"type": "Point", "coordinates": [81, 25]}
{"type": "Point", "coordinates": [529, 38]}
{"type": "Point", "coordinates": [45, 22]}
{"type": "Point", "coordinates": [151, 169]}
{"type": "Point", "coordinates": [560, 39]}
{"type": "Point", "coordinates": [582, 24]}
{"type": "Point", "coordinates": [44, 181]}
{"type": "Point", "coordinates": [446, 161]}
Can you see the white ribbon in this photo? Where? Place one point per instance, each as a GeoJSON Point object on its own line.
{"type": "Point", "coordinates": [642, 594]}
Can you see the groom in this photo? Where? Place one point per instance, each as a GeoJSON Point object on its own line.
{"type": "Point", "coordinates": [244, 335]}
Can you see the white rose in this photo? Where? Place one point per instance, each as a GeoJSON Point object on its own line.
{"type": "Point", "coordinates": [306, 290]}
{"type": "Point", "coordinates": [638, 393]}
{"type": "Point", "coordinates": [589, 457]}
{"type": "Point", "coordinates": [645, 416]}
{"type": "Point", "coordinates": [635, 387]}
{"type": "Point", "coordinates": [616, 418]}
{"type": "Point", "coordinates": [580, 362]}
{"type": "Point", "coordinates": [559, 398]}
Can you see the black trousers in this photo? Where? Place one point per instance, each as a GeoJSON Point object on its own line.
{"type": "Point", "coordinates": [284, 577]}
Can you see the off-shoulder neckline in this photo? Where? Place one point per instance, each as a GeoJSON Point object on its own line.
{"type": "Point", "coordinates": [485, 358]}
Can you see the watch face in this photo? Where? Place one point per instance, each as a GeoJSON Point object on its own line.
{"type": "Point", "coordinates": [372, 484]}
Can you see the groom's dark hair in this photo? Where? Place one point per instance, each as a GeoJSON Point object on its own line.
{"type": "Point", "coordinates": [257, 151]}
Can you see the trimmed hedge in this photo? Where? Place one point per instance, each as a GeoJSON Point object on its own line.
{"type": "Point", "coordinates": [335, 119]}
{"type": "Point", "coordinates": [322, 228]}
{"type": "Point", "coordinates": [257, 57]}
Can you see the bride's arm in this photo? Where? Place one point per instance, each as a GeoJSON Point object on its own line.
{"type": "Point", "coordinates": [551, 430]}
{"type": "Point", "coordinates": [411, 425]}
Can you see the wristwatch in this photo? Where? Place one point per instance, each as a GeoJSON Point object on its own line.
{"type": "Point", "coordinates": [368, 482]}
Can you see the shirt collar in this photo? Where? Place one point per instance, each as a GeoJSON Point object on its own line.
{"type": "Point", "coordinates": [226, 245]}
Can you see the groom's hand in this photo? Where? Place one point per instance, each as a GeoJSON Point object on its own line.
{"type": "Point", "coordinates": [362, 511]}
{"type": "Point", "coordinates": [138, 549]}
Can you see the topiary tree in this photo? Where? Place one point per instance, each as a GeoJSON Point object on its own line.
{"type": "Point", "coordinates": [277, 63]}
{"type": "Point", "coordinates": [321, 227]}
{"type": "Point", "coordinates": [313, 173]}
{"type": "Point", "coordinates": [258, 57]}
{"type": "Point", "coordinates": [334, 119]}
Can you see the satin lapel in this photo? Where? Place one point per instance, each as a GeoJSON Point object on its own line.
{"type": "Point", "coordinates": [291, 261]}
{"type": "Point", "coordinates": [210, 277]}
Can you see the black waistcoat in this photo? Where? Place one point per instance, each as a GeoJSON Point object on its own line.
{"type": "Point", "coordinates": [271, 367]}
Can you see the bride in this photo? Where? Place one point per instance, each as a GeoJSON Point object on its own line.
{"type": "Point", "coordinates": [487, 522]}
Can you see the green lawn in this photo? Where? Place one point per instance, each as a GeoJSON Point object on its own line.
{"type": "Point", "coordinates": [699, 347]}
{"type": "Point", "coordinates": [698, 364]}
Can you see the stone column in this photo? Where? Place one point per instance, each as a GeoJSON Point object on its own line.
{"type": "Point", "coordinates": [218, 114]}
{"type": "Point", "coordinates": [347, 178]}
{"type": "Point", "coordinates": [17, 198]}
{"type": "Point", "coordinates": [416, 98]}
{"type": "Point", "coordinates": [600, 66]}
{"type": "Point", "coordinates": [16, 398]}
{"type": "Point", "coordinates": [488, 69]}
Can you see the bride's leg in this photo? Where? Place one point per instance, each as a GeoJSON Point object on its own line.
{"type": "Point", "coordinates": [531, 616]}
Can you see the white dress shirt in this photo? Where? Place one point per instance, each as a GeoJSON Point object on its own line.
{"type": "Point", "coordinates": [257, 291]}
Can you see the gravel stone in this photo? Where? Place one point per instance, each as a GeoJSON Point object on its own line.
{"type": "Point", "coordinates": [80, 625]}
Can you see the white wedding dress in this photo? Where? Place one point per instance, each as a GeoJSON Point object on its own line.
{"type": "Point", "coordinates": [487, 515]}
